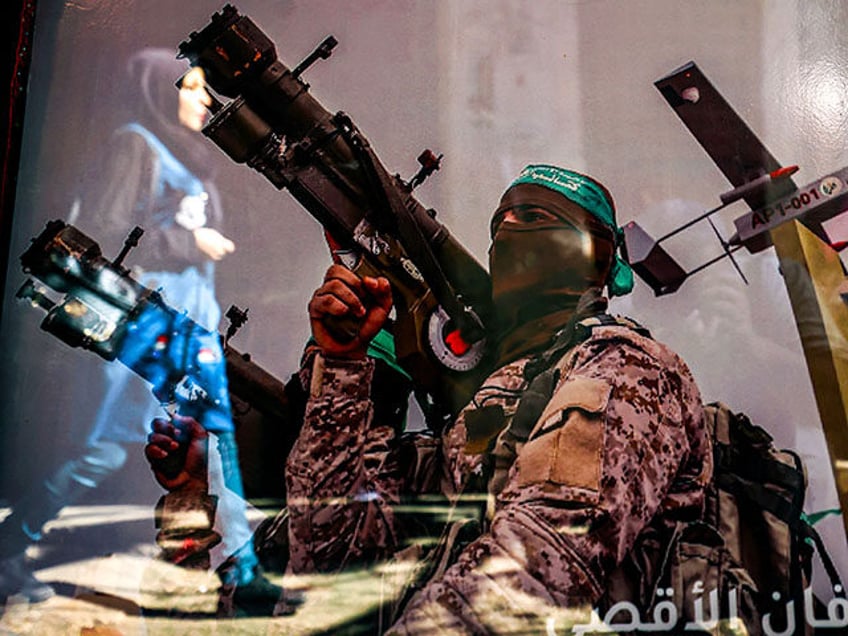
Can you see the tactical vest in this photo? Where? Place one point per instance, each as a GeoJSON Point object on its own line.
{"type": "Point", "coordinates": [502, 435]}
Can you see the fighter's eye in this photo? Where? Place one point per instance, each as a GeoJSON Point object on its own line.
{"type": "Point", "coordinates": [524, 215]}
{"type": "Point", "coordinates": [532, 215]}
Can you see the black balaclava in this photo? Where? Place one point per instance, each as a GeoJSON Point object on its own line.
{"type": "Point", "coordinates": [540, 270]}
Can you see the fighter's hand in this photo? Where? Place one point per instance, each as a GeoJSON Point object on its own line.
{"type": "Point", "coordinates": [177, 451]}
{"type": "Point", "coordinates": [212, 243]}
{"type": "Point", "coordinates": [344, 294]}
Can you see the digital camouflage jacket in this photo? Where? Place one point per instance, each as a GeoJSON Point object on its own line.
{"type": "Point", "coordinates": [619, 452]}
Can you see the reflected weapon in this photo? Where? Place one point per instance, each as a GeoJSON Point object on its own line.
{"type": "Point", "coordinates": [95, 304]}
{"type": "Point", "coordinates": [271, 123]}
{"type": "Point", "coordinates": [103, 309]}
{"type": "Point", "coordinates": [757, 177]}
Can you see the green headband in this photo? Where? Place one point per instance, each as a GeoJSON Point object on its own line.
{"type": "Point", "coordinates": [592, 197]}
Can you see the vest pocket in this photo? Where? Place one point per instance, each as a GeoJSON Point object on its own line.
{"type": "Point", "coordinates": [566, 447]}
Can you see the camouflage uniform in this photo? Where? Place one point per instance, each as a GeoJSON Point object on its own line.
{"type": "Point", "coordinates": [619, 450]}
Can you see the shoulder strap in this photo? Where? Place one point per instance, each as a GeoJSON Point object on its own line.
{"type": "Point", "coordinates": [544, 369]}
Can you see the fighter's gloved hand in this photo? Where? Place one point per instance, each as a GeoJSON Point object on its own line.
{"type": "Point", "coordinates": [344, 294]}
{"type": "Point", "coordinates": [177, 451]}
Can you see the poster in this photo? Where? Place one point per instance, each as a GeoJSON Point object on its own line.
{"type": "Point", "coordinates": [492, 86]}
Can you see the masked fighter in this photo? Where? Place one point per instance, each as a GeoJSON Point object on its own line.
{"type": "Point", "coordinates": [588, 436]}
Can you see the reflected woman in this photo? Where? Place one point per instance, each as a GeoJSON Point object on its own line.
{"type": "Point", "coordinates": [158, 173]}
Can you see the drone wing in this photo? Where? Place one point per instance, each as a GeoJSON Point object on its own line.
{"type": "Point", "coordinates": [729, 142]}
